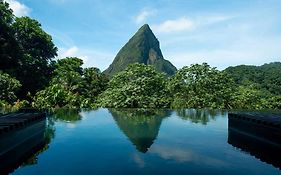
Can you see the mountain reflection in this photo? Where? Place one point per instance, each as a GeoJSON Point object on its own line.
{"type": "Point", "coordinates": [202, 116]}
{"type": "Point", "coordinates": [141, 126]}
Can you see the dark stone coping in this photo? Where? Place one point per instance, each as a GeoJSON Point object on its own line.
{"type": "Point", "coordinates": [13, 121]}
{"type": "Point", "coordinates": [267, 119]}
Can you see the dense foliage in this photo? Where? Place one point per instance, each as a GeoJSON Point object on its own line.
{"type": "Point", "coordinates": [71, 86]}
{"type": "Point", "coordinates": [200, 86]}
{"type": "Point", "coordinates": [138, 86]}
{"type": "Point", "coordinates": [8, 88]}
{"type": "Point", "coordinates": [30, 76]}
{"type": "Point", "coordinates": [38, 52]}
{"type": "Point", "coordinates": [266, 76]}
{"type": "Point", "coordinates": [141, 86]}
{"type": "Point", "coordinates": [26, 50]}
{"type": "Point", "coordinates": [9, 48]}
{"type": "Point", "coordinates": [259, 87]}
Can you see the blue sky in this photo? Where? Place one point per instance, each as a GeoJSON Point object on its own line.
{"type": "Point", "coordinates": [220, 32]}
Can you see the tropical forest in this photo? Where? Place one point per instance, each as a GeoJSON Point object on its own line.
{"type": "Point", "coordinates": [139, 76]}
{"type": "Point", "coordinates": [140, 87]}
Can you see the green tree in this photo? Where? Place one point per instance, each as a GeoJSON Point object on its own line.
{"type": "Point", "coordinates": [64, 89]}
{"type": "Point", "coordinates": [138, 86]}
{"type": "Point", "coordinates": [251, 97]}
{"type": "Point", "coordinates": [200, 86]}
{"type": "Point", "coordinates": [274, 102]}
{"type": "Point", "coordinates": [9, 48]}
{"type": "Point", "coordinates": [94, 83]}
{"type": "Point", "coordinates": [56, 96]}
{"type": "Point", "coordinates": [69, 73]}
{"type": "Point", "coordinates": [38, 52]}
{"type": "Point", "coordinates": [8, 88]}
{"type": "Point", "coordinates": [71, 86]}
{"type": "Point", "coordinates": [26, 50]}
{"type": "Point", "coordinates": [267, 76]}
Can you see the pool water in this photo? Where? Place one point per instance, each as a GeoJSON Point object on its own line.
{"type": "Point", "coordinates": [128, 141]}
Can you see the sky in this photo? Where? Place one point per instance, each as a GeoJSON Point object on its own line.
{"type": "Point", "coordinates": [220, 32]}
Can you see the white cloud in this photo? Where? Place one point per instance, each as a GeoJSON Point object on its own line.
{"type": "Point", "coordinates": [70, 125]}
{"type": "Point", "coordinates": [212, 19]}
{"type": "Point", "coordinates": [139, 160]}
{"type": "Point", "coordinates": [70, 52]}
{"type": "Point", "coordinates": [222, 41]}
{"type": "Point", "coordinates": [73, 52]}
{"type": "Point", "coordinates": [143, 15]}
{"type": "Point", "coordinates": [177, 25]}
{"type": "Point", "coordinates": [61, 37]}
{"type": "Point", "coordinates": [220, 58]}
{"type": "Point", "coordinates": [185, 155]}
{"type": "Point", "coordinates": [251, 52]}
{"type": "Point", "coordinates": [18, 8]}
{"type": "Point", "coordinates": [90, 57]}
{"type": "Point", "coordinates": [188, 24]}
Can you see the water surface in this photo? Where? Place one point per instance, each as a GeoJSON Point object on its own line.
{"type": "Point", "coordinates": [110, 141]}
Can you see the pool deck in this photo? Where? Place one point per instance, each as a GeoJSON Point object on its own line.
{"type": "Point", "coordinates": [264, 126]}
{"type": "Point", "coordinates": [266, 119]}
{"type": "Point", "coordinates": [14, 121]}
{"type": "Point", "coordinates": [21, 135]}
{"type": "Point", "coordinates": [259, 134]}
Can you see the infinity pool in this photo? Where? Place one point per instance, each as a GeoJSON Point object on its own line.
{"type": "Point", "coordinates": [110, 141]}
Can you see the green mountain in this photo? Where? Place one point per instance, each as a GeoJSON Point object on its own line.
{"type": "Point", "coordinates": [267, 75]}
{"type": "Point", "coordinates": [144, 48]}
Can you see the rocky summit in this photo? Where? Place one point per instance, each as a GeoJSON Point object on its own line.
{"type": "Point", "coordinates": [144, 48]}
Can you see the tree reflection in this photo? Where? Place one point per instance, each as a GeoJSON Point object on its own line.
{"type": "Point", "coordinates": [66, 115]}
{"type": "Point", "coordinates": [49, 135]}
{"type": "Point", "coordinates": [141, 126]}
{"type": "Point", "coordinates": [202, 116]}
{"type": "Point", "coordinates": [30, 142]}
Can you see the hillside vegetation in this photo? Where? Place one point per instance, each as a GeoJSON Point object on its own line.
{"type": "Point", "coordinates": [139, 76]}
{"type": "Point", "coordinates": [267, 76]}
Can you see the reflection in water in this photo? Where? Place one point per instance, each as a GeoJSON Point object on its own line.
{"type": "Point", "coordinates": [139, 125]}
{"type": "Point", "coordinates": [49, 135]}
{"type": "Point", "coordinates": [243, 135]}
{"type": "Point", "coordinates": [182, 155]}
{"type": "Point", "coordinates": [181, 147]}
{"type": "Point", "coordinates": [6, 111]}
{"type": "Point", "coordinates": [66, 115]}
{"type": "Point", "coordinates": [202, 116]}
{"type": "Point", "coordinates": [33, 140]}
{"type": "Point", "coordinates": [21, 147]}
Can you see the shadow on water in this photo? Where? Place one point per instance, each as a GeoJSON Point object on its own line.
{"type": "Point", "coordinates": [21, 147]}
{"type": "Point", "coordinates": [141, 126]}
{"type": "Point", "coordinates": [202, 116]}
{"type": "Point", "coordinates": [248, 137]}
